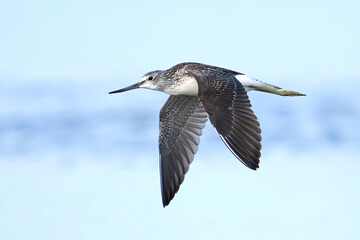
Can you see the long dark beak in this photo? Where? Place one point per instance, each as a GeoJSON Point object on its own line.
{"type": "Point", "coordinates": [134, 86]}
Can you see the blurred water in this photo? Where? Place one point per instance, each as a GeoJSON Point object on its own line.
{"type": "Point", "coordinates": [77, 163]}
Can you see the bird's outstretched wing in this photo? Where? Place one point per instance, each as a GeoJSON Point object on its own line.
{"type": "Point", "coordinates": [182, 119]}
{"type": "Point", "coordinates": [228, 106]}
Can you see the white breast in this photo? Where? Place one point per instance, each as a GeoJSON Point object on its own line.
{"type": "Point", "coordinates": [188, 86]}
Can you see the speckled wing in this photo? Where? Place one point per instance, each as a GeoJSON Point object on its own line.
{"type": "Point", "coordinates": [228, 106]}
{"type": "Point", "coordinates": [182, 119]}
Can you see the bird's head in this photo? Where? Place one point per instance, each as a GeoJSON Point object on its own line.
{"type": "Point", "coordinates": [151, 80]}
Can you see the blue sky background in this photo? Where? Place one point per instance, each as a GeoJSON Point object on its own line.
{"type": "Point", "coordinates": [78, 163]}
{"type": "Point", "coordinates": [85, 40]}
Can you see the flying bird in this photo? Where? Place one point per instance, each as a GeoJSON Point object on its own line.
{"type": "Point", "coordinates": [198, 92]}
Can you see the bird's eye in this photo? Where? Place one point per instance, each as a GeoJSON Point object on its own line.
{"type": "Point", "coordinates": [150, 78]}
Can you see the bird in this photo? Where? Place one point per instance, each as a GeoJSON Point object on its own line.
{"type": "Point", "coordinates": [198, 92]}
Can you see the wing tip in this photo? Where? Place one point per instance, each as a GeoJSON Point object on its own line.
{"type": "Point", "coordinates": [166, 199]}
{"type": "Point", "coordinates": [165, 203]}
{"type": "Point", "coordinates": [253, 167]}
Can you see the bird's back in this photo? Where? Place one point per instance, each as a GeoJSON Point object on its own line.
{"type": "Point", "coordinates": [193, 67]}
